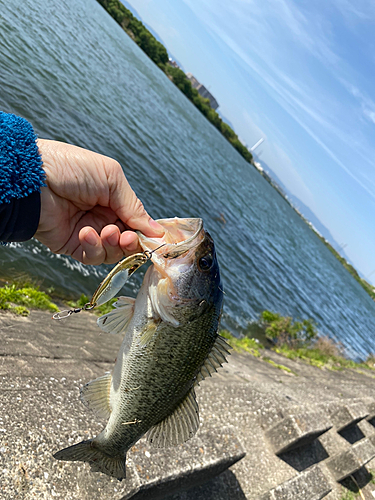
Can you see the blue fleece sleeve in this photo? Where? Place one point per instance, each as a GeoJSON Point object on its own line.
{"type": "Point", "coordinates": [21, 177]}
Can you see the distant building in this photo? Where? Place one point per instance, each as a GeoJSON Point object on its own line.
{"type": "Point", "coordinates": [203, 91]}
{"type": "Point", "coordinates": [194, 82]}
{"type": "Point", "coordinates": [258, 166]}
{"type": "Point", "coordinates": [173, 63]}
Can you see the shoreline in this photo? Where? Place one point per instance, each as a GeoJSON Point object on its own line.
{"type": "Point", "coordinates": [271, 332]}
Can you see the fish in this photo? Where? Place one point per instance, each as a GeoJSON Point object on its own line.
{"type": "Point", "coordinates": [171, 344]}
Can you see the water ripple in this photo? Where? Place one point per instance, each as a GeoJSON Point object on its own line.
{"type": "Point", "coordinates": [72, 71]}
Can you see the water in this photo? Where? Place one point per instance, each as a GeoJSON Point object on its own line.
{"type": "Point", "coordinates": [70, 69]}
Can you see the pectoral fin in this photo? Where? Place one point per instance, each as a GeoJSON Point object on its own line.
{"type": "Point", "coordinates": [95, 395]}
{"type": "Point", "coordinates": [178, 427]}
{"type": "Point", "coordinates": [117, 320]}
{"type": "Point", "coordinates": [148, 332]}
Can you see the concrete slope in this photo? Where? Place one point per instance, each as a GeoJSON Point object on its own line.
{"type": "Point", "coordinates": [235, 455]}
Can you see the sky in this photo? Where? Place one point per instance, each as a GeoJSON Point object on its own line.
{"type": "Point", "coordinates": [301, 75]}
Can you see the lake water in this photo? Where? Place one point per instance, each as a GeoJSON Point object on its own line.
{"type": "Point", "coordinates": [70, 70]}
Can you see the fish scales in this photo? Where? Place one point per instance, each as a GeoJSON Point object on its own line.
{"type": "Point", "coordinates": [168, 374]}
{"type": "Point", "coordinates": [169, 345]}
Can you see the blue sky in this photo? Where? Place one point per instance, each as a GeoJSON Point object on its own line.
{"type": "Point", "coordinates": [301, 74]}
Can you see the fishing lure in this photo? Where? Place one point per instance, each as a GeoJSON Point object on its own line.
{"type": "Point", "coordinates": [112, 283]}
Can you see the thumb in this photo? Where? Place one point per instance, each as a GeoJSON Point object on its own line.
{"type": "Point", "coordinates": [129, 208]}
{"type": "Point", "coordinates": [140, 220]}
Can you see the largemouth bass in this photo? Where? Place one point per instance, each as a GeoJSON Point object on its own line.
{"type": "Point", "coordinates": [171, 343]}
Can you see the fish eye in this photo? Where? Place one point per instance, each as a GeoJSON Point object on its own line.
{"type": "Point", "coordinates": [205, 263]}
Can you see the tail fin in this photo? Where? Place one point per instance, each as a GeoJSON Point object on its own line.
{"type": "Point", "coordinates": [99, 461]}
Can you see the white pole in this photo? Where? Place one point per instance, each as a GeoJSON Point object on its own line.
{"type": "Point", "coordinates": [257, 144]}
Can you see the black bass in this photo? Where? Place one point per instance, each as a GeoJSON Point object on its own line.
{"type": "Point", "coordinates": [171, 343]}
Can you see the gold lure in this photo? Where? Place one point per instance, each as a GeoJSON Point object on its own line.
{"type": "Point", "coordinates": [112, 283]}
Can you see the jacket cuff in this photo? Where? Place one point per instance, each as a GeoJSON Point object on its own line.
{"type": "Point", "coordinates": [19, 219]}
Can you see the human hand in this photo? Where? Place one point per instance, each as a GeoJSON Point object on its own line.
{"type": "Point", "coordinates": [88, 206]}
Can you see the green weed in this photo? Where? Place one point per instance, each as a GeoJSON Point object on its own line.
{"type": "Point", "coordinates": [349, 495]}
{"type": "Point", "coordinates": [276, 365]}
{"type": "Point", "coordinates": [244, 344]}
{"type": "Point", "coordinates": [253, 347]}
{"type": "Point", "coordinates": [19, 299]}
{"type": "Point", "coordinates": [295, 340]}
{"type": "Point", "coordinates": [285, 330]}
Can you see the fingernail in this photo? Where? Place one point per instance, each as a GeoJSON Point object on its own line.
{"type": "Point", "coordinates": [156, 226]}
{"type": "Point", "coordinates": [113, 239]}
{"type": "Point", "coordinates": [90, 238]}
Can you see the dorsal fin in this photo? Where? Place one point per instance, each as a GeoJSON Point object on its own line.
{"type": "Point", "coordinates": [178, 427]}
{"type": "Point", "coordinates": [215, 359]}
{"type": "Point", "coordinates": [117, 320]}
{"type": "Point", "coordinates": [95, 395]}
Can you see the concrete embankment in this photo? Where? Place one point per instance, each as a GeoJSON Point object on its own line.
{"type": "Point", "coordinates": [264, 434]}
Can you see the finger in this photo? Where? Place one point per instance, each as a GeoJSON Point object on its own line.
{"type": "Point", "coordinates": [110, 237]}
{"type": "Point", "coordinates": [129, 242]}
{"type": "Point", "coordinates": [91, 247]}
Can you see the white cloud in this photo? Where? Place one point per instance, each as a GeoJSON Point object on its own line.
{"type": "Point", "coordinates": [363, 10]}
{"type": "Point", "coordinates": [367, 104]}
{"type": "Point", "coordinates": [262, 34]}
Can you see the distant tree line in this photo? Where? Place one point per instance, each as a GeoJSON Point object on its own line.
{"type": "Point", "coordinates": [136, 30]}
{"type": "Point", "coordinates": [364, 284]}
{"type": "Point", "coordinates": [158, 53]}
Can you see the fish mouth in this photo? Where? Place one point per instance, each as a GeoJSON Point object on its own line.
{"type": "Point", "coordinates": [180, 236]}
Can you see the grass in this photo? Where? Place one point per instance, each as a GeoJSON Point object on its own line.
{"type": "Point", "coordinates": [19, 299]}
{"type": "Point", "coordinates": [24, 294]}
{"type": "Point", "coordinates": [352, 490]}
{"type": "Point", "coordinates": [244, 344]}
{"type": "Point", "coordinates": [295, 339]}
{"type": "Point", "coordinates": [252, 346]}
{"type": "Point", "coordinates": [316, 356]}
{"type": "Point", "coordinates": [276, 365]}
{"type": "Point", "coordinates": [299, 339]}
{"type": "Point", "coordinates": [349, 495]}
